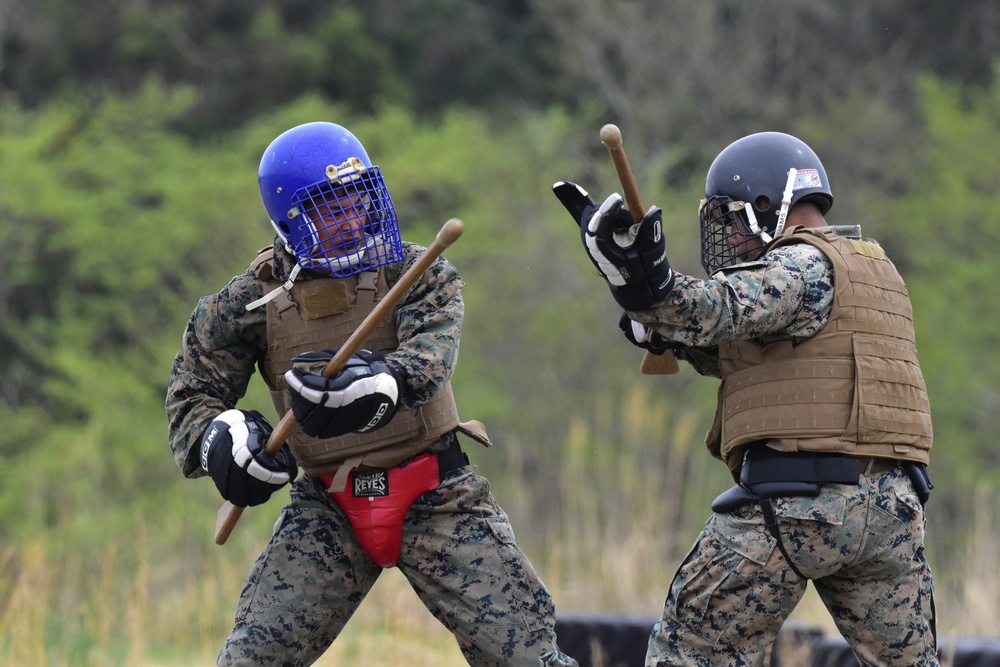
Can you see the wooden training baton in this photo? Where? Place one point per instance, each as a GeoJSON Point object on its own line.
{"type": "Point", "coordinates": [611, 137]}
{"type": "Point", "coordinates": [229, 513]}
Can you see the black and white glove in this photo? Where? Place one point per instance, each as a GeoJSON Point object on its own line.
{"type": "Point", "coordinates": [364, 396]}
{"type": "Point", "coordinates": [630, 255]}
{"type": "Point", "coordinates": [233, 452]}
{"type": "Point", "coordinates": [642, 336]}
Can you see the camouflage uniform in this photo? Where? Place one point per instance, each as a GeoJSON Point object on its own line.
{"type": "Point", "coordinates": [862, 545]}
{"type": "Point", "coordinates": [458, 549]}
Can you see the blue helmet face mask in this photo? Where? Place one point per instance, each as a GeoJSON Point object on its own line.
{"type": "Point", "coordinates": [327, 202]}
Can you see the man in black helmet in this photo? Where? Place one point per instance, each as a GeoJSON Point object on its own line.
{"type": "Point", "coordinates": [823, 417]}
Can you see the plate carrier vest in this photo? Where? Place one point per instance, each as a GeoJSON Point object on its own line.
{"type": "Point", "coordinates": [323, 313]}
{"type": "Point", "coordinates": [854, 388]}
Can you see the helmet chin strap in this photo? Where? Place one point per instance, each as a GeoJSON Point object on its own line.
{"type": "Point", "coordinates": [345, 262]}
{"type": "Point", "coordinates": [354, 258]}
{"type": "Point", "coordinates": [286, 286]}
{"type": "Point", "coordinates": [752, 224]}
{"type": "Point", "coordinates": [786, 202]}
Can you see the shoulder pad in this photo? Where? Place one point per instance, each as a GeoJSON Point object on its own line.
{"type": "Point", "coordinates": [261, 265]}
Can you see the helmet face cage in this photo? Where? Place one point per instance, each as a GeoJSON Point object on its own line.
{"type": "Point", "coordinates": [726, 236]}
{"type": "Point", "coordinates": [327, 202]}
{"type": "Point", "coordinates": [345, 224]}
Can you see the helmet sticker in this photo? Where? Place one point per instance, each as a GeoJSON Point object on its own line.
{"type": "Point", "coordinates": [807, 178]}
{"type": "Point", "coordinates": [346, 172]}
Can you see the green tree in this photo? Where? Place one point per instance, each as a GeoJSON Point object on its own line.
{"type": "Point", "coordinates": [945, 233]}
{"type": "Point", "coordinates": [104, 214]}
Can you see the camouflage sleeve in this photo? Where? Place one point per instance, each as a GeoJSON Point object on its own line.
{"type": "Point", "coordinates": [221, 344]}
{"type": "Point", "coordinates": [787, 293]}
{"type": "Point", "coordinates": [429, 325]}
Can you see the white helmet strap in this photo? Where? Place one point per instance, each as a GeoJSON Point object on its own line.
{"type": "Point", "coordinates": [786, 202]}
{"type": "Point", "coordinates": [285, 287]}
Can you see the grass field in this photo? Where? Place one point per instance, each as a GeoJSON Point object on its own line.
{"type": "Point", "coordinates": [616, 523]}
{"type": "Point", "coordinates": [102, 627]}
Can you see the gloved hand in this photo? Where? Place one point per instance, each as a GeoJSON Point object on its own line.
{"type": "Point", "coordinates": [364, 396]}
{"type": "Point", "coordinates": [642, 336]}
{"type": "Point", "coordinates": [233, 453]}
{"type": "Point", "coordinates": [631, 256]}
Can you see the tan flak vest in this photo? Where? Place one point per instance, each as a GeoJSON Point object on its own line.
{"type": "Point", "coordinates": [854, 388]}
{"type": "Point", "coordinates": [323, 313]}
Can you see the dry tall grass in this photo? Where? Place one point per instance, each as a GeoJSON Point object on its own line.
{"type": "Point", "coordinates": [620, 510]}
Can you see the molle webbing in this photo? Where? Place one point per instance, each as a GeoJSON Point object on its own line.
{"type": "Point", "coordinates": [320, 314]}
{"type": "Point", "coordinates": [855, 388]}
{"type": "Point", "coordinates": [323, 313]}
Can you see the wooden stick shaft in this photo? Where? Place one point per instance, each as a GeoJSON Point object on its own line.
{"type": "Point", "coordinates": [611, 137]}
{"type": "Point", "coordinates": [229, 514]}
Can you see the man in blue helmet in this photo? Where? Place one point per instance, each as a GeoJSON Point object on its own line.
{"type": "Point", "coordinates": [385, 483]}
{"type": "Point", "coordinates": [822, 419]}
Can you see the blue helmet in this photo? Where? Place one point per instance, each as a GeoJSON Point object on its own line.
{"type": "Point", "coordinates": [327, 202]}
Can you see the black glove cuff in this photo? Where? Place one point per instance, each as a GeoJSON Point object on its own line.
{"type": "Point", "coordinates": [645, 295]}
{"type": "Point", "coordinates": [654, 343]}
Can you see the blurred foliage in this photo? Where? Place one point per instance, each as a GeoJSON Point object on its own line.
{"type": "Point", "coordinates": [245, 58]}
{"type": "Point", "coordinates": [97, 287]}
{"type": "Point", "coordinates": [946, 233]}
{"type": "Point", "coordinates": [130, 134]}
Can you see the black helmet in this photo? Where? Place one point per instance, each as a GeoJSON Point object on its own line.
{"type": "Point", "coordinates": [750, 187]}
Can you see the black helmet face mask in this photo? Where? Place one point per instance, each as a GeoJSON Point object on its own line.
{"type": "Point", "coordinates": [730, 232]}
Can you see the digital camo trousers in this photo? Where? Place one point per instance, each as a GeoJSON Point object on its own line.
{"type": "Point", "coordinates": [863, 548]}
{"type": "Point", "coordinates": [458, 553]}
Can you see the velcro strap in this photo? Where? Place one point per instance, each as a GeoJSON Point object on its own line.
{"type": "Point", "coordinates": [338, 482]}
